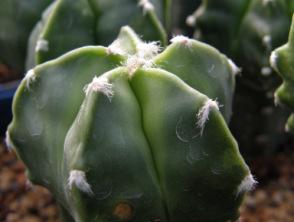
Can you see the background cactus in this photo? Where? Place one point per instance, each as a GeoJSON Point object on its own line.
{"type": "Point", "coordinates": [17, 19]}
{"type": "Point", "coordinates": [247, 31]}
{"type": "Point", "coordinates": [93, 22]}
{"type": "Point", "coordinates": [282, 61]}
{"type": "Point", "coordinates": [180, 10]}
{"type": "Point", "coordinates": [144, 141]}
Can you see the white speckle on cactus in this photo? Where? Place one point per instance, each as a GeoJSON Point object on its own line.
{"type": "Point", "coordinates": [212, 67]}
{"type": "Point", "coordinates": [266, 71]}
{"type": "Point", "coordinates": [267, 41]}
{"type": "Point", "coordinates": [182, 40]}
{"type": "Point", "coordinates": [235, 69]}
{"type": "Point", "coordinates": [203, 114]}
{"type": "Point", "coordinates": [115, 49]}
{"type": "Point", "coordinates": [42, 45]}
{"type": "Point", "coordinates": [273, 60]}
{"type": "Point", "coordinates": [78, 178]}
{"type": "Point", "coordinates": [179, 131]}
{"type": "Point", "coordinates": [100, 84]}
{"type": "Point", "coordinates": [8, 141]}
{"type": "Point", "coordinates": [29, 78]}
{"type": "Point", "coordinates": [146, 5]}
{"type": "Point", "coordinates": [247, 184]}
{"type": "Point", "coordinates": [191, 20]}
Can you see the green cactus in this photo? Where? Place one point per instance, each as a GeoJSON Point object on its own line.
{"type": "Point", "coordinates": [17, 19]}
{"type": "Point", "coordinates": [247, 31]}
{"type": "Point", "coordinates": [145, 141]}
{"type": "Point", "coordinates": [67, 25]}
{"type": "Point", "coordinates": [282, 60]}
{"type": "Point", "coordinates": [179, 10]}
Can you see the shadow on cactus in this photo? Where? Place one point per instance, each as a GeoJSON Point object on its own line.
{"type": "Point", "coordinates": [126, 133]}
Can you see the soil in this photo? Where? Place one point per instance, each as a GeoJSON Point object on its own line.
{"type": "Point", "coordinates": [271, 201]}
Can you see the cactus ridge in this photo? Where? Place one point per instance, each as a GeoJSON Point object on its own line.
{"type": "Point", "coordinates": [245, 30]}
{"type": "Point", "coordinates": [282, 61]}
{"type": "Point", "coordinates": [145, 143]}
{"type": "Point", "coordinates": [91, 22]}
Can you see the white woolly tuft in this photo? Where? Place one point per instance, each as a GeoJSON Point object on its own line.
{"type": "Point", "coordinates": [182, 40]}
{"type": "Point", "coordinates": [267, 41]}
{"type": "Point", "coordinates": [191, 20]}
{"type": "Point", "coordinates": [42, 45]}
{"type": "Point", "coordinates": [247, 184]}
{"type": "Point", "coordinates": [143, 58]}
{"type": "Point", "coordinates": [266, 71]}
{"type": "Point", "coordinates": [273, 60]}
{"type": "Point", "coordinates": [114, 49]}
{"type": "Point", "coordinates": [203, 114]}
{"type": "Point", "coordinates": [8, 142]}
{"type": "Point", "coordinates": [30, 77]}
{"type": "Point", "coordinates": [235, 69]}
{"type": "Point", "coordinates": [78, 178]}
{"type": "Point", "coordinates": [134, 62]}
{"type": "Point", "coordinates": [148, 50]}
{"type": "Point", "coordinates": [146, 5]}
{"type": "Point", "coordinates": [100, 84]}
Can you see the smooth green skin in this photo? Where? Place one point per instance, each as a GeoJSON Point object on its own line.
{"type": "Point", "coordinates": [198, 174]}
{"type": "Point", "coordinates": [124, 171]}
{"type": "Point", "coordinates": [17, 19]}
{"type": "Point", "coordinates": [211, 74]}
{"type": "Point", "coordinates": [142, 148]}
{"type": "Point", "coordinates": [53, 112]}
{"type": "Point", "coordinates": [284, 66]}
{"type": "Point", "coordinates": [69, 25]}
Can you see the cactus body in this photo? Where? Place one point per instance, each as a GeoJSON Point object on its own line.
{"type": "Point", "coordinates": [17, 19]}
{"type": "Point", "coordinates": [282, 60]}
{"type": "Point", "coordinates": [247, 31]}
{"type": "Point", "coordinates": [143, 142]}
{"type": "Point", "coordinates": [68, 25]}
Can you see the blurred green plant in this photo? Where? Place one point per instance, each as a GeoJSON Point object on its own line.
{"type": "Point", "coordinates": [282, 60]}
{"type": "Point", "coordinates": [17, 19]}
